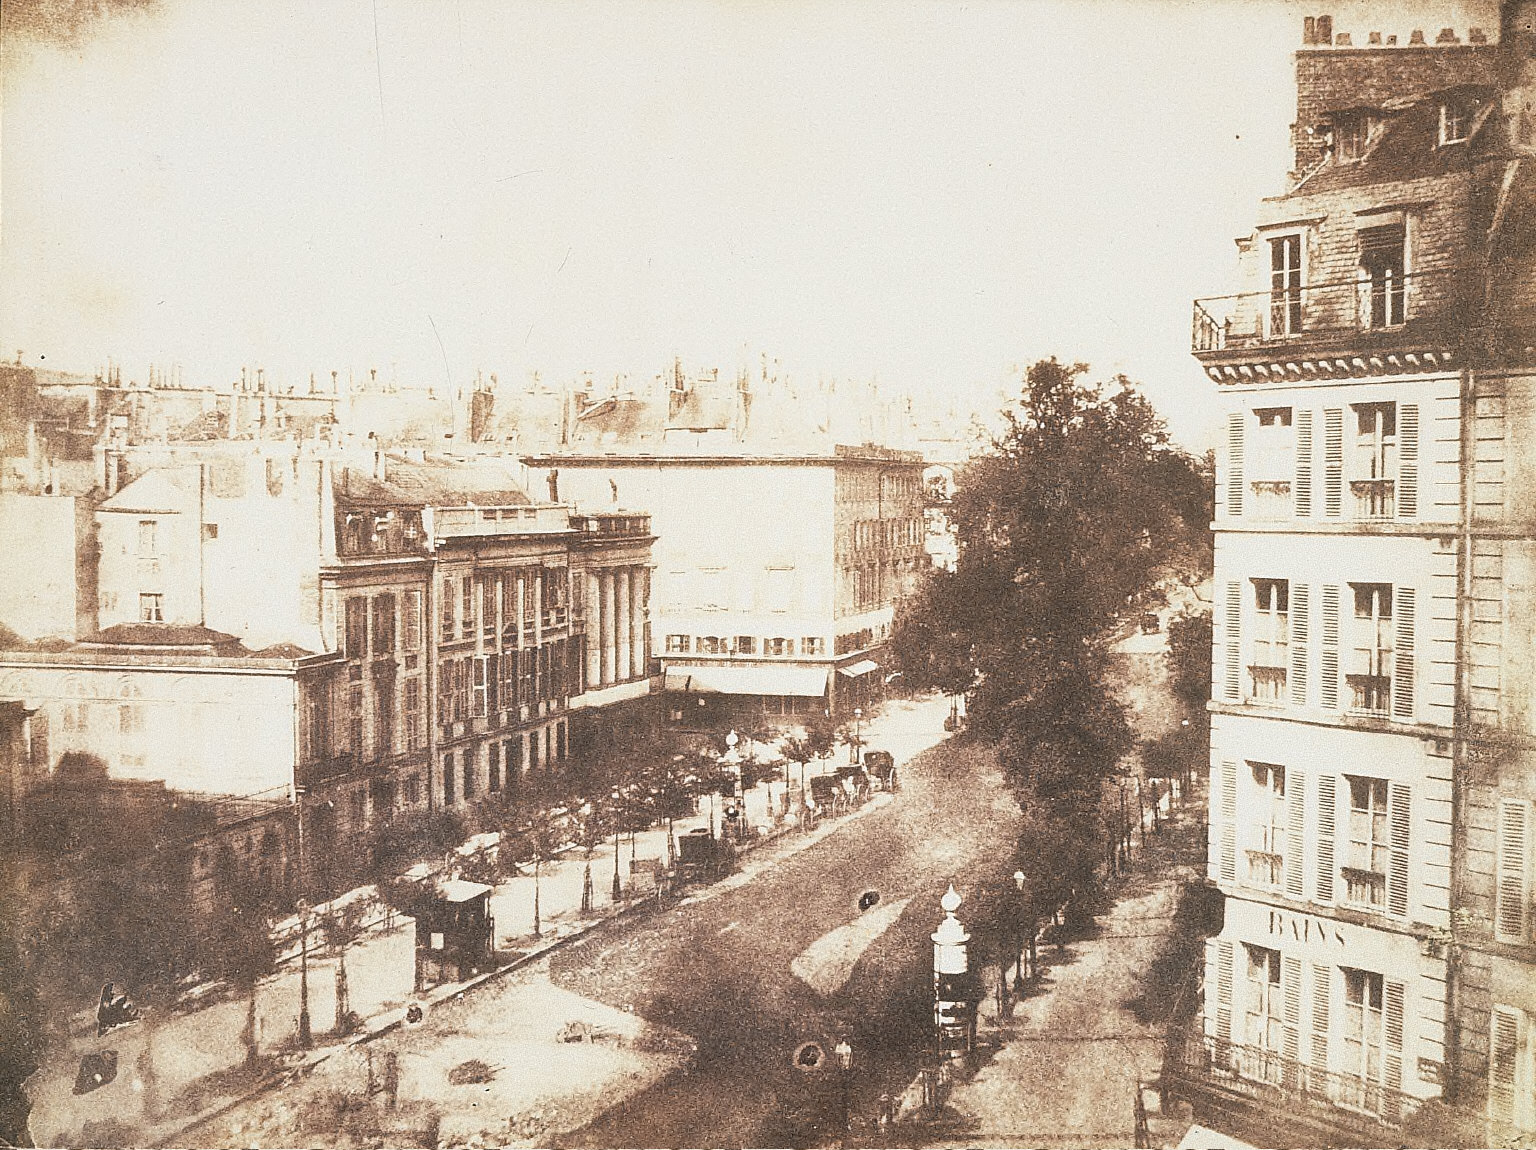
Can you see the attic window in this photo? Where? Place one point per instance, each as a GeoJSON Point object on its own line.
{"type": "Point", "coordinates": [1455, 121]}
{"type": "Point", "coordinates": [1352, 133]}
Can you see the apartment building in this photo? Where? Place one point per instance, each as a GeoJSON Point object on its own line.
{"type": "Point", "coordinates": [1371, 727]}
{"type": "Point", "coordinates": [776, 576]}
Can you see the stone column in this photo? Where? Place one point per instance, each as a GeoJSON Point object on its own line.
{"type": "Point", "coordinates": [637, 623]}
{"type": "Point", "coordinates": [622, 592]}
{"type": "Point", "coordinates": [606, 632]}
{"type": "Point", "coordinates": [594, 636]}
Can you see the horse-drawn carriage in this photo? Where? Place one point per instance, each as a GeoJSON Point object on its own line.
{"type": "Point", "coordinates": [881, 766]}
{"type": "Point", "coordinates": [701, 857]}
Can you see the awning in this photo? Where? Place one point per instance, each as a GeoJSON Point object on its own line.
{"type": "Point", "coordinates": [862, 667]}
{"type": "Point", "coordinates": [748, 679]}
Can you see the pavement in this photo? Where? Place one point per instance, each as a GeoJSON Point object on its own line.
{"type": "Point", "coordinates": [560, 1055]}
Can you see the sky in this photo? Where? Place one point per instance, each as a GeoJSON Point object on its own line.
{"type": "Point", "coordinates": [930, 194]}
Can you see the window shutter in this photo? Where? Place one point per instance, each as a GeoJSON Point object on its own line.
{"type": "Point", "coordinates": [1328, 671]}
{"type": "Point", "coordinates": [1322, 982]}
{"type": "Point", "coordinates": [1223, 992]}
{"type": "Point", "coordinates": [1296, 818]}
{"type": "Point", "coordinates": [1393, 999]}
{"type": "Point", "coordinates": [1303, 493]}
{"type": "Point", "coordinates": [1290, 986]}
{"type": "Point", "coordinates": [1300, 638]}
{"type": "Point", "coordinates": [1402, 653]}
{"type": "Point", "coordinates": [1333, 462]}
{"type": "Point", "coordinates": [1511, 918]}
{"type": "Point", "coordinates": [1504, 1045]}
{"type": "Point", "coordinates": [1326, 815]}
{"type": "Point", "coordinates": [1400, 817]}
{"type": "Point", "coordinates": [1227, 860]}
{"type": "Point", "coordinates": [1232, 638]}
{"type": "Point", "coordinates": [1235, 462]}
{"type": "Point", "coordinates": [1408, 461]}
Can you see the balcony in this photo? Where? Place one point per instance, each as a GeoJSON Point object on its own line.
{"type": "Point", "coordinates": [606, 524]}
{"type": "Point", "coordinates": [1367, 888]}
{"type": "Point", "coordinates": [1265, 868]}
{"type": "Point", "coordinates": [1338, 312]}
{"type": "Point", "coordinates": [1267, 685]}
{"type": "Point", "coordinates": [1271, 499]}
{"type": "Point", "coordinates": [1370, 694]}
{"type": "Point", "coordinates": [468, 522]}
{"type": "Point", "coordinates": [1285, 1094]}
{"type": "Point", "coordinates": [1374, 498]}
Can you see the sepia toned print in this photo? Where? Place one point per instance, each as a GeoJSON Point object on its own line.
{"type": "Point", "coordinates": [710, 574]}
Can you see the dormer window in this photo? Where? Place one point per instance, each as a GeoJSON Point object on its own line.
{"type": "Point", "coordinates": [1352, 133]}
{"type": "Point", "coordinates": [1455, 121]}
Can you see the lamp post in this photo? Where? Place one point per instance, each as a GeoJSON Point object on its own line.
{"type": "Point", "coordinates": [306, 1034]}
{"type": "Point", "coordinates": [732, 760]}
{"type": "Point", "coordinates": [844, 1053]}
{"type": "Point", "coordinates": [853, 747]}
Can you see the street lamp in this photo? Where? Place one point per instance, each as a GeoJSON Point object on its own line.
{"type": "Point", "coordinates": [853, 747]}
{"type": "Point", "coordinates": [618, 889]}
{"type": "Point", "coordinates": [844, 1054]}
{"type": "Point", "coordinates": [732, 760]}
{"type": "Point", "coordinates": [306, 1034]}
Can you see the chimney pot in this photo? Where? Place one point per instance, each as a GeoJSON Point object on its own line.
{"type": "Point", "coordinates": [1447, 36]}
{"type": "Point", "coordinates": [1391, 39]}
{"type": "Point", "coordinates": [1477, 36]}
{"type": "Point", "coordinates": [1417, 37]}
{"type": "Point", "coordinates": [1375, 38]}
{"type": "Point", "coordinates": [1342, 40]}
{"type": "Point", "coordinates": [1309, 30]}
{"type": "Point", "coordinates": [1325, 29]}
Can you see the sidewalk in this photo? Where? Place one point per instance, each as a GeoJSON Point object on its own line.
{"type": "Point", "coordinates": [188, 1067]}
{"type": "Point", "coordinates": [1071, 1059]}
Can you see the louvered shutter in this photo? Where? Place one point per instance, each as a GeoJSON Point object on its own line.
{"type": "Point", "coordinates": [1232, 638]}
{"type": "Point", "coordinates": [1326, 820]}
{"type": "Point", "coordinates": [1290, 987]}
{"type": "Point", "coordinates": [1301, 633]}
{"type": "Point", "coordinates": [1333, 462]}
{"type": "Point", "coordinates": [1512, 915]}
{"type": "Point", "coordinates": [1235, 463]}
{"type": "Point", "coordinates": [1393, 1002]}
{"type": "Point", "coordinates": [1227, 857]}
{"type": "Point", "coordinates": [1322, 985]}
{"type": "Point", "coordinates": [1505, 1042]}
{"type": "Point", "coordinates": [1223, 997]}
{"type": "Point", "coordinates": [1399, 815]}
{"type": "Point", "coordinates": [1303, 493]}
{"type": "Point", "coordinates": [1296, 821]}
{"type": "Point", "coordinates": [1408, 461]}
{"type": "Point", "coordinates": [1402, 653]}
{"type": "Point", "coordinates": [1328, 670]}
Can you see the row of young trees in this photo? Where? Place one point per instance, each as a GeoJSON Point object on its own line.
{"type": "Point", "coordinates": [1080, 507]}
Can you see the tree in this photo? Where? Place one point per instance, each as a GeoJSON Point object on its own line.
{"type": "Point", "coordinates": [238, 946]}
{"type": "Point", "coordinates": [1189, 659]}
{"type": "Point", "coordinates": [1079, 507]}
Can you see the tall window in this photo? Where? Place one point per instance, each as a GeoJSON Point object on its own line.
{"type": "Point", "coordinates": [356, 637]}
{"type": "Point", "coordinates": [677, 644]}
{"type": "Point", "coordinates": [1271, 639]}
{"type": "Point", "coordinates": [148, 542]}
{"type": "Point", "coordinates": [445, 629]}
{"type": "Point", "coordinates": [488, 606]}
{"type": "Point", "coordinates": [1263, 1013]}
{"type": "Point", "coordinates": [1266, 857]}
{"type": "Point", "coordinates": [384, 715]}
{"type": "Point", "coordinates": [413, 736]}
{"type": "Point", "coordinates": [1351, 136]}
{"type": "Point", "coordinates": [467, 607]}
{"type": "Point", "coordinates": [151, 608]}
{"type": "Point", "coordinates": [1383, 263]}
{"type": "Point", "coordinates": [410, 621]}
{"type": "Point", "coordinates": [1365, 875]}
{"type": "Point", "coordinates": [1455, 122]}
{"type": "Point", "coordinates": [746, 644]}
{"type": "Point", "coordinates": [1363, 1025]}
{"type": "Point", "coordinates": [1370, 680]}
{"type": "Point", "coordinates": [1285, 285]}
{"type": "Point", "coordinates": [778, 646]}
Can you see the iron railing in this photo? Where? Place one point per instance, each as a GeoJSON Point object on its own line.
{"type": "Point", "coordinates": [1268, 684]}
{"type": "Point", "coordinates": [1370, 694]}
{"type": "Point", "coordinates": [1374, 498]}
{"type": "Point", "coordinates": [1363, 304]}
{"type": "Point", "coordinates": [1287, 1085]}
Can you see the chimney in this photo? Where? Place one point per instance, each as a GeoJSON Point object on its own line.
{"type": "Point", "coordinates": [1375, 38]}
{"type": "Point", "coordinates": [1416, 38]}
{"type": "Point", "coordinates": [1325, 29]}
{"type": "Point", "coordinates": [1476, 36]}
{"type": "Point", "coordinates": [1447, 36]}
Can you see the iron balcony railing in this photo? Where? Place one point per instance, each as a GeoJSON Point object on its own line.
{"type": "Point", "coordinates": [1363, 304]}
{"type": "Point", "coordinates": [1370, 694]}
{"type": "Point", "coordinates": [1374, 498]}
{"type": "Point", "coordinates": [1268, 684]}
{"type": "Point", "coordinates": [1287, 1085]}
